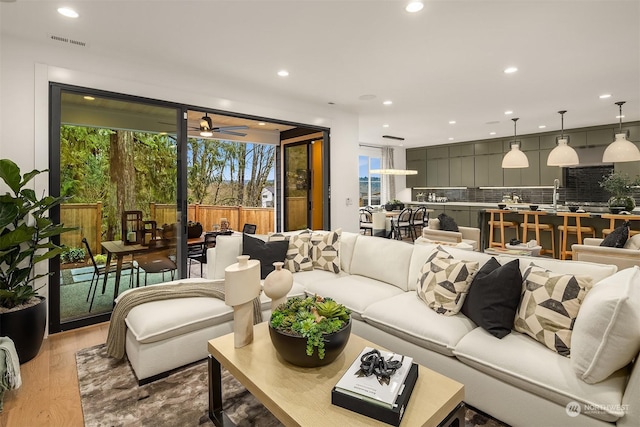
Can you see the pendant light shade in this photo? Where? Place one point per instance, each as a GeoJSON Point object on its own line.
{"type": "Point", "coordinates": [562, 155]}
{"type": "Point", "coordinates": [515, 158]}
{"type": "Point", "coordinates": [621, 150]}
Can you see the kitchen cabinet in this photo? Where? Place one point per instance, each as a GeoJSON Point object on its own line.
{"type": "Point", "coordinates": [439, 152]}
{"type": "Point", "coordinates": [417, 160]}
{"type": "Point", "coordinates": [524, 176]}
{"type": "Point", "coordinates": [488, 170]}
{"type": "Point", "coordinates": [600, 137]}
{"type": "Point", "coordinates": [438, 172]}
{"type": "Point", "coordinates": [548, 173]}
{"type": "Point", "coordinates": [526, 144]}
{"type": "Point", "coordinates": [461, 171]}
{"type": "Point", "coordinates": [461, 150]}
{"type": "Point", "coordinates": [576, 140]}
{"type": "Point", "coordinates": [487, 147]}
{"type": "Point", "coordinates": [460, 214]}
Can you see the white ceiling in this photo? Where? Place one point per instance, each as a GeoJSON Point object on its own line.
{"type": "Point", "coordinates": [443, 63]}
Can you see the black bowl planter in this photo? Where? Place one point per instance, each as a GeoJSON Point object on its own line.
{"type": "Point", "coordinates": [293, 348]}
{"type": "Point", "coordinates": [26, 328]}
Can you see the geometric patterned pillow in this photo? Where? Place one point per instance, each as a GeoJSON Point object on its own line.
{"type": "Point", "coordinates": [549, 306]}
{"type": "Point", "coordinates": [325, 250]}
{"type": "Point", "coordinates": [298, 257]}
{"type": "Point", "coordinates": [444, 282]}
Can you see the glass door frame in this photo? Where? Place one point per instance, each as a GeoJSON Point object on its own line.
{"type": "Point", "coordinates": [55, 121]}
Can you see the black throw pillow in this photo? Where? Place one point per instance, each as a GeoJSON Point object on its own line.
{"type": "Point", "coordinates": [447, 223]}
{"type": "Point", "coordinates": [265, 252]}
{"type": "Point", "coordinates": [618, 237]}
{"type": "Point", "coordinates": [494, 297]}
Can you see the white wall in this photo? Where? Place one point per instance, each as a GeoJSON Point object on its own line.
{"type": "Point", "coordinates": [26, 69]}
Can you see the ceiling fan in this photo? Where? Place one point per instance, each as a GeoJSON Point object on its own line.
{"type": "Point", "coordinates": [206, 128]}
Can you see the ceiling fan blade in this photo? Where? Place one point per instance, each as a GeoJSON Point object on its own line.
{"type": "Point", "coordinates": [231, 127]}
{"type": "Point", "coordinates": [229, 132]}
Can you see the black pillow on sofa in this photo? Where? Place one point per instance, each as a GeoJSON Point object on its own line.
{"type": "Point", "coordinates": [618, 237]}
{"type": "Point", "coordinates": [494, 297]}
{"type": "Point", "coordinates": [447, 223]}
{"type": "Point", "coordinates": [266, 252]}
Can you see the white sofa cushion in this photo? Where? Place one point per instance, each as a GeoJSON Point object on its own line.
{"type": "Point", "coordinates": [606, 335]}
{"type": "Point", "coordinates": [159, 320]}
{"type": "Point", "coordinates": [227, 249]}
{"type": "Point", "coordinates": [524, 363]}
{"type": "Point", "coordinates": [549, 306]}
{"type": "Point", "coordinates": [596, 271]}
{"type": "Point", "coordinates": [382, 259]}
{"type": "Point", "coordinates": [347, 245]}
{"type": "Point", "coordinates": [407, 317]}
{"type": "Point", "coordinates": [633, 242]}
{"type": "Point", "coordinates": [355, 292]}
{"type": "Point", "coordinates": [304, 278]}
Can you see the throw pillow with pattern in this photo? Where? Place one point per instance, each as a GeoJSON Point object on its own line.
{"type": "Point", "coordinates": [298, 256]}
{"type": "Point", "coordinates": [549, 306]}
{"type": "Point", "coordinates": [325, 250]}
{"type": "Point", "coordinates": [444, 282]}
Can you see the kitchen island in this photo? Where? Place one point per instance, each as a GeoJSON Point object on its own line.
{"type": "Point", "coordinates": [473, 214]}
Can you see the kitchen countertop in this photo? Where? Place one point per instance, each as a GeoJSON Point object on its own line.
{"type": "Point", "coordinates": [596, 211]}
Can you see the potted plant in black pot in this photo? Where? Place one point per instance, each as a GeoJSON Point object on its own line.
{"type": "Point", "coordinates": [619, 185]}
{"type": "Point", "coordinates": [25, 241]}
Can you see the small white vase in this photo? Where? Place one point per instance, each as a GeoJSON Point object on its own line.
{"type": "Point", "coordinates": [277, 285]}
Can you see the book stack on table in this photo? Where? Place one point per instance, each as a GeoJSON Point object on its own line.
{"type": "Point", "coordinates": [375, 397]}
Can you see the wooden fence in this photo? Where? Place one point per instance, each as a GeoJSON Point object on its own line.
{"type": "Point", "coordinates": [88, 218]}
{"type": "Point", "coordinates": [209, 215]}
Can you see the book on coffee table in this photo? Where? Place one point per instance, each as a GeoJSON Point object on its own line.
{"type": "Point", "coordinates": [378, 390]}
{"type": "Point", "coordinates": [390, 415]}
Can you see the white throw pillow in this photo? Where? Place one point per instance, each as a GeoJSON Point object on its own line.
{"type": "Point", "coordinates": [633, 242]}
{"type": "Point", "coordinates": [606, 334]}
{"type": "Point", "coordinates": [434, 224]}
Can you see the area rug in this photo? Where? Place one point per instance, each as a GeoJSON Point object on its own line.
{"type": "Point", "coordinates": [111, 396]}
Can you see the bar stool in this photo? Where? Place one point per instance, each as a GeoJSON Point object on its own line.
{"type": "Point", "coordinates": [612, 222]}
{"type": "Point", "coordinates": [501, 224]}
{"type": "Point", "coordinates": [579, 230]}
{"type": "Point", "coordinates": [537, 228]}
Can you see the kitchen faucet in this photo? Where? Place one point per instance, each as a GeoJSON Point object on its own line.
{"type": "Point", "coordinates": [556, 185]}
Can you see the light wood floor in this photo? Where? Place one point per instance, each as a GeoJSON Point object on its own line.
{"type": "Point", "coordinates": [49, 396]}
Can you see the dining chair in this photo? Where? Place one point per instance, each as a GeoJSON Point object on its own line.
{"type": "Point", "coordinates": [159, 259]}
{"type": "Point", "coordinates": [419, 218]}
{"type": "Point", "coordinates": [366, 221]}
{"type": "Point", "coordinates": [249, 228]}
{"type": "Point", "coordinates": [199, 253]}
{"type": "Point", "coordinates": [402, 221]}
{"type": "Point", "coordinates": [99, 271]}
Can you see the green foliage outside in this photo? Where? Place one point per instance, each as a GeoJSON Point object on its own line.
{"type": "Point", "coordinates": [73, 255]}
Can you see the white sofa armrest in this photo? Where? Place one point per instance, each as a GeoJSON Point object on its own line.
{"type": "Point", "coordinates": [471, 233]}
{"type": "Point", "coordinates": [623, 258]}
{"type": "Point", "coordinates": [467, 235]}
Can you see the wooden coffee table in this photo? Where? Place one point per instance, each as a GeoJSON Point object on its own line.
{"type": "Point", "coordinates": [302, 396]}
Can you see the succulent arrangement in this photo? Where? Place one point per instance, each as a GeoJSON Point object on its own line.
{"type": "Point", "coordinates": [310, 318]}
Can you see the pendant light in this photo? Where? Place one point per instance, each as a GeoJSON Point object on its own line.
{"type": "Point", "coordinates": [621, 150]}
{"type": "Point", "coordinates": [515, 158]}
{"type": "Point", "coordinates": [562, 155]}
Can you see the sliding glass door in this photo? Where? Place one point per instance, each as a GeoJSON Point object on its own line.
{"type": "Point", "coordinates": [116, 161]}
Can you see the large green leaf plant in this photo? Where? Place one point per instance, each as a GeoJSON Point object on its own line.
{"type": "Point", "coordinates": [25, 239]}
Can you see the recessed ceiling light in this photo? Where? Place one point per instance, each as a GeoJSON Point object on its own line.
{"type": "Point", "coordinates": [452, 122]}
{"type": "Point", "coordinates": [450, 139]}
{"type": "Point", "coordinates": [605, 96]}
{"type": "Point", "coordinates": [510, 70]}
{"type": "Point", "coordinates": [385, 125]}
{"type": "Point", "coordinates": [261, 124]}
{"type": "Point", "coordinates": [283, 73]}
{"type": "Point", "coordinates": [620, 117]}
{"type": "Point", "coordinates": [508, 112]}
{"type": "Point", "coordinates": [542, 126]}
{"type": "Point", "coordinates": [89, 98]}
{"type": "Point", "coordinates": [387, 102]}
{"type": "Point", "coordinates": [414, 6]}
{"type": "Point", "coordinates": [68, 12]}
{"type": "Point", "coordinates": [492, 133]}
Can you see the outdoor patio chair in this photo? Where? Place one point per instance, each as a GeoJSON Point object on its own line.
{"type": "Point", "coordinates": [249, 228]}
{"type": "Point", "coordinates": [199, 253]}
{"type": "Point", "coordinates": [99, 271]}
{"type": "Point", "coordinates": [158, 260]}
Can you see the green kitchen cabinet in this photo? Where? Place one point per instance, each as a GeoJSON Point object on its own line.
{"type": "Point", "coordinates": [600, 137]}
{"type": "Point", "coordinates": [524, 176]}
{"type": "Point", "coordinates": [548, 173]}
{"type": "Point", "coordinates": [488, 147]}
{"type": "Point", "coordinates": [460, 214]}
{"type": "Point", "coordinates": [488, 170]}
{"type": "Point", "coordinates": [417, 160]}
{"type": "Point", "coordinates": [438, 152]}
{"type": "Point", "coordinates": [461, 150]}
{"type": "Point", "coordinates": [438, 172]}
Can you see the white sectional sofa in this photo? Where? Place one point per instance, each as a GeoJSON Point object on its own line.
{"type": "Point", "coordinates": [515, 379]}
